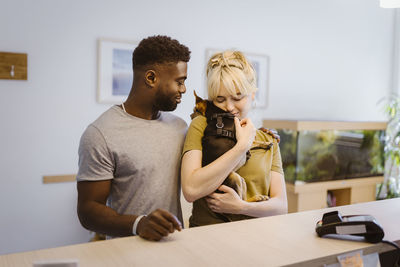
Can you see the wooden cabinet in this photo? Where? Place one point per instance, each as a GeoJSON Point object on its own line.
{"type": "Point", "coordinates": [313, 193]}
{"type": "Point", "coordinates": [310, 196]}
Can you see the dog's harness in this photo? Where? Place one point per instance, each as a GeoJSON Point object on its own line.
{"type": "Point", "coordinates": [221, 131]}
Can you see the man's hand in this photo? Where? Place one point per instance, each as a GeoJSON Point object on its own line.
{"type": "Point", "coordinates": [158, 224]}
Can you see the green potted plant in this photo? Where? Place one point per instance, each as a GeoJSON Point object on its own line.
{"type": "Point", "coordinates": [390, 187]}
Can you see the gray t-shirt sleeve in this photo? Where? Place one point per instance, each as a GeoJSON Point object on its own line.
{"type": "Point", "coordinates": [95, 159]}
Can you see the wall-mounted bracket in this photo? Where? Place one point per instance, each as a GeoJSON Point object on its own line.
{"type": "Point", "coordinates": [13, 66]}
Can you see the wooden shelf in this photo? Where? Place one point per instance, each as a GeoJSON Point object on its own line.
{"type": "Point", "coordinates": [59, 178]}
{"type": "Point", "coordinates": [312, 196]}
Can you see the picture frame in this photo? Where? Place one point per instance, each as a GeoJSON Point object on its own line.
{"type": "Point", "coordinates": [261, 66]}
{"type": "Point", "coordinates": [115, 73]}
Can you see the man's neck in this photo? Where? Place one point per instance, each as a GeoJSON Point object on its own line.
{"type": "Point", "coordinates": [139, 107]}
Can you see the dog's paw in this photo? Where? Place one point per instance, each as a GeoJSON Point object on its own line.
{"type": "Point", "coordinates": [258, 198]}
{"type": "Point", "coordinates": [235, 181]}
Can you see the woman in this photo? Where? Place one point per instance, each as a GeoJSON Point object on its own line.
{"type": "Point", "coordinates": [231, 85]}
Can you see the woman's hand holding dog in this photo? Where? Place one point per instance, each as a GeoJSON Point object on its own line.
{"type": "Point", "coordinates": [245, 133]}
{"type": "Point", "coordinates": [158, 224]}
{"type": "Point", "coordinates": [227, 202]}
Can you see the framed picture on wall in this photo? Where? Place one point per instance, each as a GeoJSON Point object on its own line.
{"type": "Point", "coordinates": [260, 64]}
{"type": "Point", "coordinates": [115, 72]}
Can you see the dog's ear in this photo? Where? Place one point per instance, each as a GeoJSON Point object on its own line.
{"type": "Point", "coordinates": [198, 98]}
{"type": "Point", "coordinates": [200, 106]}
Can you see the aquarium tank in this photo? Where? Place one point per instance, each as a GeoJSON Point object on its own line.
{"type": "Point", "coordinates": [312, 155]}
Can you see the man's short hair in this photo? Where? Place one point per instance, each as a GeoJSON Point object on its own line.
{"type": "Point", "coordinates": [159, 50]}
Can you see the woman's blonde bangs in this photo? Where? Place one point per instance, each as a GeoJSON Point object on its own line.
{"type": "Point", "coordinates": [234, 72]}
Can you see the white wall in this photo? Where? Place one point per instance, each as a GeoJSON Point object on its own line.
{"type": "Point", "coordinates": [396, 54]}
{"type": "Point", "coordinates": [329, 60]}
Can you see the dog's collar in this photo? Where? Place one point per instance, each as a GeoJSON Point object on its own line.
{"type": "Point", "coordinates": [222, 115]}
{"type": "Point", "coordinates": [220, 124]}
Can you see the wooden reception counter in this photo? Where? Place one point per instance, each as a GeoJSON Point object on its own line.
{"type": "Point", "coordinates": [272, 241]}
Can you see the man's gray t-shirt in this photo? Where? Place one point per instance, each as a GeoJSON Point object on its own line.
{"type": "Point", "coordinates": [142, 157]}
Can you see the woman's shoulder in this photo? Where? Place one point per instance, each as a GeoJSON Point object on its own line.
{"type": "Point", "coordinates": [199, 122]}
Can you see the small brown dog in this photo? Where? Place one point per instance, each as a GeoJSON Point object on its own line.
{"type": "Point", "coordinates": [219, 137]}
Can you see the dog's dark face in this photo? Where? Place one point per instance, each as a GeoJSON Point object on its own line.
{"type": "Point", "coordinates": [219, 135]}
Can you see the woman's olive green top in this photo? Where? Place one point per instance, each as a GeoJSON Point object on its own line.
{"type": "Point", "coordinates": [256, 171]}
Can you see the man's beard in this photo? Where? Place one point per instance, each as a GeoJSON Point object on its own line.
{"type": "Point", "coordinates": [165, 103]}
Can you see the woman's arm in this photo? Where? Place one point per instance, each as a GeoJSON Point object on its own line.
{"type": "Point", "coordinates": [198, 181]}
{"type": "Point", "coordinates": [276, 205]}
{"type": "Point", "coordinates": [230, 202]}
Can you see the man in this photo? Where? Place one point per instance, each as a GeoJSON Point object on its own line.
{"type": "Point", "coordinates": [129, 158]}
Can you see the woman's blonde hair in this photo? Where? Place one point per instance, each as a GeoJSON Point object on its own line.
{"type": "Point", "coordinates": [233, 70]}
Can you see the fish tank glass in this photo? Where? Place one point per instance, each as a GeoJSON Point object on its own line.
{"type": "Point", "coordinates": [315, 155]}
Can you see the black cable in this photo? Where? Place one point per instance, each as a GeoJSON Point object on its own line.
{"type": "Point", "coordinates": [397, 262]}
